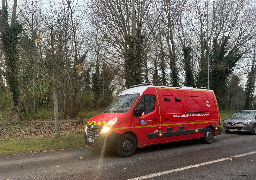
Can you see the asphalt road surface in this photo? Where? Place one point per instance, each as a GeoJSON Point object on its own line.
{"type": "Point", "coordinates": [229, 157]}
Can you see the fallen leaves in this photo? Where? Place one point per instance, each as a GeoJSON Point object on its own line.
{"type": "Point", "coordinates": [79, 158]}
{"type": "Point", "coordinates": [10, 131]}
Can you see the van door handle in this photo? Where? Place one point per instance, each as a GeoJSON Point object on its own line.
{"type": "Point", "coordinates": [154, 119]}
{"type": "Point", "coordinates": [167, 119]}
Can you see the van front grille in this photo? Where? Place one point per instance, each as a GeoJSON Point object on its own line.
{"type": "Point", "coordinates": [93, 130]}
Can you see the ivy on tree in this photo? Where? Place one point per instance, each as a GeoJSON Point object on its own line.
{"type": "Point", "coordinates": [249, 89]}
{"type": "Point", "coordinates": [10, 40]}
{"type": "Point", "coordinates": [133, 60]}
{"type": "Point", "coordinates": [222, 63]}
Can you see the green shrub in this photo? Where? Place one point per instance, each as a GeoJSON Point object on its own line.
{"type": "Point", "coordinates": [41, 114]}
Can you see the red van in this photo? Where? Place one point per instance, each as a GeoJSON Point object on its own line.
{"type": "Point", "coordinates": [144, 115]}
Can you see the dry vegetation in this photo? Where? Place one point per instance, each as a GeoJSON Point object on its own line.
{"type": "Point", "coordinates": [38, 128]}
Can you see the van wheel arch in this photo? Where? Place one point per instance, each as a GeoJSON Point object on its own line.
{"type": "Point", "coordinates": [132, 134]}
{"type": "Point", "coordinates": [208, 135]}
{"type": "Point", "coordinates": [127, 144]}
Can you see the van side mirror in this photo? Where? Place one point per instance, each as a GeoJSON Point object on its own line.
{"type": "Point", "coordinates": [138, 110]}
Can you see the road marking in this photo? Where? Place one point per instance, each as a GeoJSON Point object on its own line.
{"type": "Point", "coordinates": [191, 166]}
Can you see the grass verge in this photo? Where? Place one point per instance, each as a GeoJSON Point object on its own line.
{"type": "Point", "coordinates": [41, 143]}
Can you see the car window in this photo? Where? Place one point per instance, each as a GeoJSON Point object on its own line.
{"type": "Point", "coordinates": [149, 102]}
{"type": "Point", "coordinates": [244, 114]}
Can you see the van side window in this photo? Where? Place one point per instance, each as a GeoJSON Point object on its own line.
{"type": "Point", "coordinates": [149, 103]}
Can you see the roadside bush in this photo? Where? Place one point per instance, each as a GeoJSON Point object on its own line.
{"type": "Point", "coordinates": [41, 114]}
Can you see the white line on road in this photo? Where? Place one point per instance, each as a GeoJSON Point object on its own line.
{"type": "Point", "coordinates": [191, 166]}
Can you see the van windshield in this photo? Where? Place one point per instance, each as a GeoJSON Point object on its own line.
{"type": "Point", "coordinates": [122, 104]}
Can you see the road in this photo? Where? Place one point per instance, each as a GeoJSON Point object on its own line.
{"type": "Point", "coordinates": [230, 157]}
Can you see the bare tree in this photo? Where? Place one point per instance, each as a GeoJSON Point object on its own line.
{"type": "Point", "coordinates": [216, 20]}
{"type": "Point", "coordinates": [122, 26]}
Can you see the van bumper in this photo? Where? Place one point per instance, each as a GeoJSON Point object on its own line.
{"type": "Point", "coordinates": [104, 141]}
{"type": "Point", "coordinates": [219, 130]}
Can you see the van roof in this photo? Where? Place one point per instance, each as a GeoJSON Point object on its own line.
{"type": "Point", "coordinates": [134, 90]}
{"type": "Point", "coordinates": [142, 88]}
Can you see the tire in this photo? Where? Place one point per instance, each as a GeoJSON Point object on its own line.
{"type": "Point", "coordinates": [253, 129]}
{"type": "Point", "coordinates": [208, 136]}
{"type": "Point", "coordinates": [126, 145]}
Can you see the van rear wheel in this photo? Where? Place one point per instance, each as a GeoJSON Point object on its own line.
{"type": "Point", "coordinates": [126, 145]}
{"type": "Point", "coordinates": [208, 135]}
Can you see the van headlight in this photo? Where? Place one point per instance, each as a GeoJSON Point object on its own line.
{"type": "Point", "coordinates": [85, 129]}
{"type": "Point", "coordinates": [109, 125]}
{"type": "Point", "coordinates": [247, 122]}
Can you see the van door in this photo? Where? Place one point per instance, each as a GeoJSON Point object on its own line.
{"type": "Point", "coordinates": [174, 118]}
{"type": "Point", "coordinates": [147, 120]}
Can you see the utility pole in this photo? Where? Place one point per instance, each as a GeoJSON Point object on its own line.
{"type": "Point", "coordinates": [208, 69]}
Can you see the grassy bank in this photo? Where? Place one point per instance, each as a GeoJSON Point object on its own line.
{"type": "Point", "coordinates": [38, 135]}
{"type": "Point", "coordinates": [12, 146]}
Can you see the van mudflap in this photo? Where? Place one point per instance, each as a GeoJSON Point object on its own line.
{"type": "Point", "coordinates": [219, 130]}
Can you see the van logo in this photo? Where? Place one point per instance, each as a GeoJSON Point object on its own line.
{"type": "Point", "coordinates": [142, 122]}
{"type": "Point", "coordinates": [208, 104]}
{"type": "Point", "coordinates": [232, 123]}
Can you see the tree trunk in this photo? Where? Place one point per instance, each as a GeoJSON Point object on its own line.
{"type": "Point", "coordinates": [1, 25]}
{"type": "Point", "coordinates": [16, 115]}
{"type": "Point", "coordinates": [172, 51]}
{"type": "Point", "coordinates": [54, 90]}
{"type": "Point", "coordinates": [56, 120]}
{"type": "Point", "coordinates": [12, 71]}
{"type": "Point", "coordinates": [34, 58]}
{"type": "Point", "coordinates": [14, 12]}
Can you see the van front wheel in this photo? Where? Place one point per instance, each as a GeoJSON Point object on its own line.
{"type": "Point", "coordinates": [126, 145]}
{"type": "Point", "coordinates": [208, 135]}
